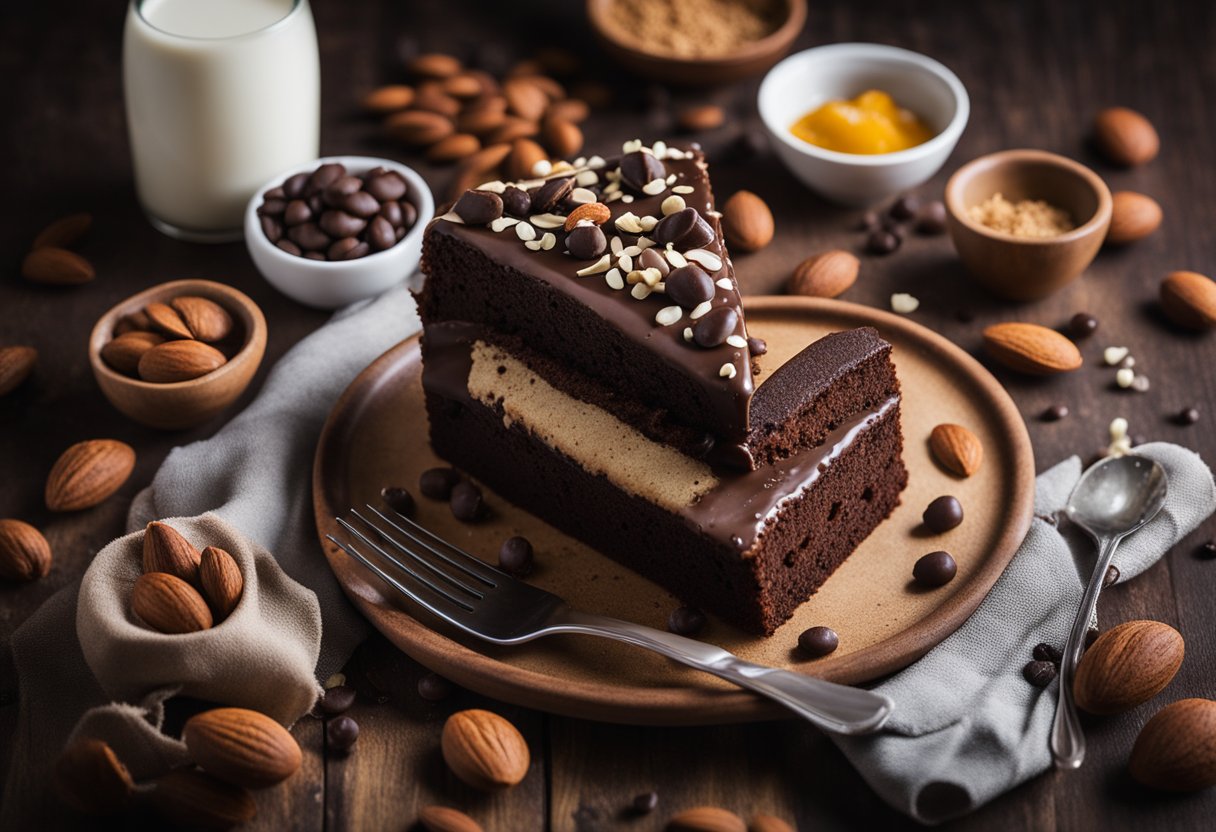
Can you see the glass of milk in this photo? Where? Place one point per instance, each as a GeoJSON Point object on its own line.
{"type": "Point", "coordinates": [221, 96]}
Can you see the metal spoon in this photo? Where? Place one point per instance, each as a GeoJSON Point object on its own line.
{"type": "Point", "coordinates": [1112, 499]}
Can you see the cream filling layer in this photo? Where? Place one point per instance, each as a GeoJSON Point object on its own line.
{"type": "Point", "coordinates": [591, 436]}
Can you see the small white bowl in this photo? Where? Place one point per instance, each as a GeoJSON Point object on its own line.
{"type": "Point", "coordinates": [328, 285]}
{"type": "Point", "coordinates": [808, 79]}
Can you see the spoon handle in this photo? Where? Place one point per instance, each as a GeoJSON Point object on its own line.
{"type": "Point", "coordinates": [1067, 738]}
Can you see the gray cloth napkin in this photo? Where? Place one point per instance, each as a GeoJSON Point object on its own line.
{"type": "Point", "coordinates": [967, 727]}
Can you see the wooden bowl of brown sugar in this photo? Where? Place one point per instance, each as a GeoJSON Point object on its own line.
{"type": "Point", "coordinates": [697, 42]}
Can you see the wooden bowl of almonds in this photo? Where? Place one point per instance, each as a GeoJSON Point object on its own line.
{"type": "Point", "coordinates": [177, 354]}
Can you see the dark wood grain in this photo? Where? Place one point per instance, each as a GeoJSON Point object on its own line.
{"type": "Point", "coordinates": [1036, 72]}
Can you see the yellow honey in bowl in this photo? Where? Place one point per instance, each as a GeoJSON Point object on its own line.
{"type": "Point", "coordinates": [870, 123]}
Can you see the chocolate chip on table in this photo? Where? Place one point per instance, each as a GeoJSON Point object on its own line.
{"type": "Point", "coordinates": [935, 569]}
{"type": "Point", "coordinates": [1055, 413]}
{"type": "Point", "coordinates": [818, 641]}
{"type": "Point", "coordinates": [640, 168]}
{"type": "Point", "coordinates": [881, 241]}
{"type": "Point", "coordinates": [1187, 416]}
{"type": "Point", "coordinates": [1207, 550]}
{"type": "Point", "coordinates": [645, 803]}
{"type": "Point", "coordinates": [904, 208]}
{"type": "Point", "coordinates": [1045, 652]}
{"type": "Point", "coordinates": [943, 514]}
{"type": "Point", "coordinates": [337, 700]}
{"type": "Point", "coordinates": [547, 196]}
{"type": "Point", "coordinates": [689, 285]}
{"type": "Point", "coordinates": [437, 483]}
{"type": "Point", "coordinates": [1082, 325]}
{"type": "Point", "coordinates": [586, 242]}
{"type": "Point", "coordinates": [478, 207]}
{"type": "Point", "coordinates": [931, 218]}
{"type": "Point", "coordinates": [398, 499]}
{"type": "Point", "coordinates": [434, 688]}
{"type": "Point", "coordinates": [715, 326]}
{"type": "Point", "coordinates": [686, 621]}
{"type": "Point", "coordinates": [1039, 673]}
{"type": "Point", "coordinates": [515, 556]}
{"type": "Point", "coordinates": [756, 346]}
{"type": "Point", "coordinates": [516, 201]}
{"type": "Point", "coordinates": [341, 733]}
{"type": "Point", "coordinates": [869, 221]}
{"type": "Point", "coordinates": [466, 502]}
{"type": "Point", "coordinates": [1111, 576]}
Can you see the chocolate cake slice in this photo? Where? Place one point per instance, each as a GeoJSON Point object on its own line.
{"type": "Point", "coordinates": [617, 415]}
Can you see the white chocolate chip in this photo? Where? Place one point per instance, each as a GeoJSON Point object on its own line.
{"type": "Point", "coordinates": [728, 371]}
{"type": "Point", "coordinates": [627, 198]}
{"type": "Point", "coordinates": [724, 283]}
{"type": "Point", "coordinates": [614, 279]}
{"type": "Point", "coordinates": [1114, 355]}
{"type": "Point", "coordinates": [586, 177]}
{"type": "Point", "coordinates": [687, 333]}
{"type": "Point", "coordinates": [668, 315]}
{"type": "Point", "coordinates": [640, 291]}
{"type": "Point", "coordinates": [525, 231]}
{"type": "Point", "coordinates": [707, 259]}
{"type": "Point", "coordinates": [700, 309]}
{"type": "Point", "coordinates": [737, 341]}
{"type": "Point", "coordinates": [542, 168]}
{"type": "Point", "coordinates": [1125, 377]}
{"type": "Point", "coordinates": [672, 205]}
{"type": "Point", "coordinates": [903, 303]}
{"type": "Point", "coordinates": [654, 187]}
{"type": "Point", "coordinates": [598, 266]}
{"type": "Point", "coordinates": [683, 189]}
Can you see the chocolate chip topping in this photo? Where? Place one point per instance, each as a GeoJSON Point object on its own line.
{"type": "Point", "coordinates": [715, 326]}
{"type": "Point", "coordinates": [516, 201]}
{"type": "Point", "coordinates": [547, 196]}
{"type": "Point", "coordinates": [757, 346]}
{"type": "Point", "coordinates": [478, 207]}
{"type": "Point", "coordinates": [689, 285]}
{"type": "Point", "coordinates": [651, 259]}
{"type": "Point", "coordinates": [586, 242]}
{"type": "Point", "coordinates": [685, 229]}
{"type": "Point", "coordinates": [638, 168]}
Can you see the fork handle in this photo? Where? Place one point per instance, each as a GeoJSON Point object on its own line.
{"type": "Point", "coordinates": [838, 709]}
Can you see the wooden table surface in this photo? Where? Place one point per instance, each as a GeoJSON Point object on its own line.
{"type": "Point", "coordinates": [1036, 72]}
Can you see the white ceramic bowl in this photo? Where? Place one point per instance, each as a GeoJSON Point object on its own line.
{"type": "Point", "coordinates": [329, 285]}
{"type": "Point", "coordinates": [807, 79]}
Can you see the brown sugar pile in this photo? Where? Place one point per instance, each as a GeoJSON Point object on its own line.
{"type": "Point", "coordinates": [694, 28]}
{"type": "Point", "coordinates": [1024, 218]}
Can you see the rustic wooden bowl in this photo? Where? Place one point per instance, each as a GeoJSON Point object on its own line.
{"type": "Point", "coordinates": [1027, 268]}
{"type": "Point", "coordinates": [182, 404]}
{"type": "Point", "coordinates": [747, 61]}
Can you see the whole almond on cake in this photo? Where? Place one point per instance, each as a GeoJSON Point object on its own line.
{"type": "Point", "coordinates": [747, 222]}
{"type": "Point", "coordinates": [91, 779]}
{"type": "Point", "coordinates": [1176, 749]}
{"type": "Point", "coordinates": [825, 275]}
{"type": "Point", "coordinates": [221, 581]}
{"type": "Point", "coordinates": [1133, 217]}
{"type": "Point", "coordinates": [242, 747]}
{"type": "Point", "coordinates": [25, 555]}
{"type": "Point", "coordinates": [444, 819]}
{"type": "Point", "coordinates": [165, 550]}
{"type": "Point", "coordinates": [16, 364]}
{"type": "Point", "coordinates": [957, 449]}
{"type": "Point", "coordinates": [706, 819]}
{"type": "Point", "coordinates": [1031, 349]}
{"type": "Point", "coordinates": [191, 799]}
{"type": "Point", "coordinates": [1189, 300]}
{"type": "Point", "coordinates": [1127, 665]}
{"type": "Point", "coordinates": [484, 750]}
{"type": "Point", "coordinates": [169, 605]}
{"type": "Point", "coordinates": [87, 473]}
{"type": "Point", "coordinates": [1126, 137]}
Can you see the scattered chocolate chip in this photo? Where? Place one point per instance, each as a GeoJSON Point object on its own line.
{"type": "Point", "coordinates": [904, 208]}
{"type": "Point", "coordinates": [645, 803]}
{"type": "Point", "coordinates": [1111, 576]}
{"type": "Point", "coordinates": [1045, 652]}
{"type": "Point", "coordinates": [685, 229]}
{"type": "Point", "coordinates": [466, 502]}
{"type": "Point", "coordinates": [515, 556]}
{"type": "Point", "coordinates": [931, 219]}
{"type": "Point", "coordinates": [516, 202]}
{"type": "Point", "coordinates": [686, 621]}
{"type": "Point", "coordinates": [756, 346]}
{"type": "Point", "coordinates": [1055, 413]}
{"type": "Point", "coordinates": [586, 242]}
{"type": "Point", "coordinates": [1187, 416]}
{"type": "Point", "coordinates": [1039, 673]}
{"type": "Point", "coordinates": [935, 569]}
{"type": "Point", "coordinates": [715, 326]}
{"type": "Point", "coordinates": [547, 196]}
{"type": "Point", "coordinates": [1207, 550]}
{"type": "Point", "coordinates": [437, 483]}
{"type": "Point", "coordinates": [434, 688]}
{"type": "Point", "coordinates": [341, 733]}
{"type": "Point", "coordinates": [869, 221]}
{"type": "Point", "coordinates": [689, 285]}
{"type": "Point", "coordinates": [336, 700]}
{"type": "Point", "coordinates": [639, 168]}
{"type": "Point", "coordinates": [398, 499]}
{"type": "Point", "coordinates": [818, 641]}
{"type": "Point", "coordinates": [943, 514]}
{"type": "Point", "coordinates": [478, 207]}
{"type": "Point", "coordinates": [881, 242]}
{"type": "Point", "coordinates": [1082, 325]}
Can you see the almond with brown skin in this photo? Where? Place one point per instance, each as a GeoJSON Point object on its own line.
{"type": "Point", "coordinates": [388, 99]}
{"type": "Point", "coordinates": [165, 550]}
{"type": "Point", "coordinates": [464, 85]}
{"type": "Point", "coordinates": [485, 160]}
{"type": "Point", "coordinates": [64, 231]}
{"type": "Point", "coordinates": [705, 117]}
{"type": "Point", "coordinates": [418, 127]}
{"type": "Point", "coordinates": [1031, 349]}
{"type": "Point", "coordinates": [484, 750]}
{"type": "Point", "coordinates": [768, 823]}
{"type": "Point", "coordinates": [484, 115]}
{"type": "Point", "coordinates": [169, 605]}
{"type": "Point", "coordinates": [706, 819]}
{"type": "Point", "coordinates": [190, 799]}
{"type": "Point", "coordinates": [956, 449]}
{"type": "Point", "coordinates": [91, 779]}
{"type": "Point", "coordinates": [87, 473]}
{"type": "Point", "coordinates": [1127, 665]}
{"type": "Point", "coordinates": [595, 212]}
{"type": "Point", "coordinates": [25, 554]}
{"type": "Point", "coordinates": [204, 318]}
{"type": "Point", "coordinates": [513, 128]}
{"type": "Point", "coordinates": [443, 819]}
{"type": "Point", "coordinates": [1126, 137]}
{"type": "Point", "coordinates": [1133, 217]}
{"type": "Point", "coordinates": [825, 275]}
{"type": "Point", "coordinates": [179, 361]}
{"type": "Point", "coordinates": [123, 353]}
{"type": "Point", "coordinates": [552, 89]}
{"type": "Point", "coordinates": [574, 110]}
{"type": "Point", "coordinates": [242, 747]}
{"type": "Point", "coordinates": [221, 581]}
{"type": "Point", "coordinates": [563, 138]}
{"type": "Point", "coordinates": [16, 364]}
{"type": "Point", "coordinates": [747, 222]}
{"type": "Point", "coordinates": [166, 320]}
{"type": "Point", "coordinates": [525, 98]}
{"type": "Point", "coordinates": [1176, 749]}
{"type": "Point", "coordinates": [523, 157]}
{"type": "Point", "coordinates": [433, 65]}
{"type": "Point", "coordinates": [57, 267]}
{"type": "Point", "coordinates": [1189, 300]}
{"type": "Point", "coordinates": [137, 321]}
{"type": "Point", "coordinates": [453, 148]}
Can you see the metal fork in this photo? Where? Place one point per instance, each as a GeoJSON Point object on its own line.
{"type": "Point", "coordinates": [490, 604]}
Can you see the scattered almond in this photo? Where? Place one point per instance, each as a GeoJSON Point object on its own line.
{"type": "Point", "coordinates": [768, 823]}
{"type": "Point", "coordinates": [487, 159]}
{"type": "Point", "coordinates": [16, 364]}
{"type": "Point", "coordinates": [562, 137]}
{"type": "Point", "coordinates": [1133, 217]}
{"type": "Point", "coordinates": [204, 318]}
{"type": "Point", "coordinates": [1127, 665]}
{"type": "Point", "coordinates": [91, 779]}
{"type": "Point", "coordinates": [87, 473]}
{"type": "Point", "coordinates": [25, 554]}
{"type": "Point", "coordinates": [1176, 749]}
{"type": "Point", "coordinates": [169, 605]}
{"type": "Point", "coordinates": [825, 275]}
{"type": "Point", "coordinates": [57, 267]}
{"type": "Point", "coordinates": [388, 99]}
{"type": "Point", "coordinates": [418, 127]}
{"type": "Point", "coordinates": [705, 117]}
{"type": "Point", "coordinates": [747, 222]}
{"type": "Point", "coordinates": [484, 750]}
{"type": "Point", "coordinates": [595, 212]}
{"type": "Point", "coordinates": [443, 819]}
{"type": "Point", "coordinates": [189, 799]}
{"type": "Point", "coordinates": [431, 97]}
{"type": "Point", "coordinates": [525, 98]}
{"type": "Point", "coordinates": [706, 819]}
{"type": "Point", "coordinates": [571, 109]}
{"type": "Point", "coordinates": [175, 361]}
{"type": "Point", "coordinates": [123, 353]}
{"type": "Point", "coordinates": [167, 320]}
{"type": "Point", "coordinates": [464, 85]}
{"type": "Point", "coordinates": [1031, 349]}
{"type": "Point", "coordinates": [242, 747]}
{"type": "Point", "coordinates": [221, 581]}
{"type": "Point", "coordinates": [957, 449]}
{"type": "Point", "coordinates": [433, 65]}
{"type": "Point", "coordinates": [524, 155]}
{"type": "Point", "coordinates": [165, 550]}
{"type": "Point", "coordinates": [64, 231]}
{"type": "Point", "coordinates": [483, 116]}
{"type": "Point", "coordinates": [1189, 300]}
{"type": "Point", "coordinates": [552, 89]}
{"type": "Point", "coordinates": [1126, 137]}
{"type": "Point", "coordinates": [453, 148]}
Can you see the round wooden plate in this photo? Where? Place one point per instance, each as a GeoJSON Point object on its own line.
{"type": "Point", "coordinates": [377, 436]}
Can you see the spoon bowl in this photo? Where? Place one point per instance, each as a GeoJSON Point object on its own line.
{"type": "Point", "coordinates": [1118, 495]}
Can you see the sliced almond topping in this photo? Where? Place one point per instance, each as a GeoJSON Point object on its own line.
{"type": "Point", "coordinates": [668, 315]}
{"type": "Point", "coordinates": [598, 266]}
